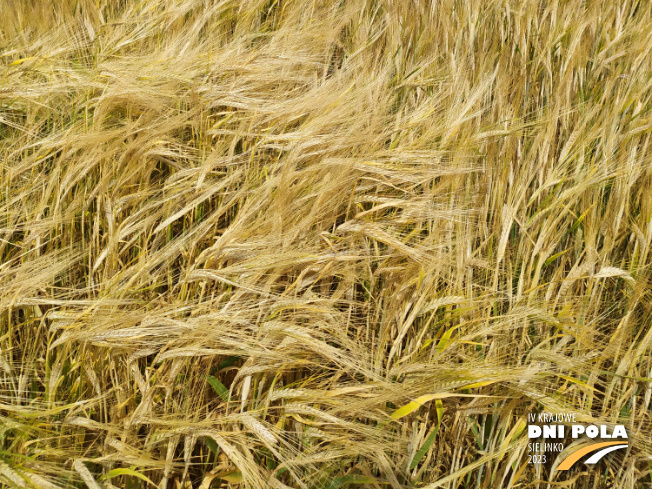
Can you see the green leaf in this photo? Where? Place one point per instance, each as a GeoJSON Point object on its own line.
{"type": "Point", "coordinates": [440, 409]}
{"type": "Point", "coordinates": [421, 452]}
{"type": "Point", "coordinates": [232, 476]}
{"type": "Point", "coordinates": [212, 446]}
{"type": "Point", "coordinates": [555, 256]}
{"type": "Point", "coordinates": [227, 362]}
{"type": "Point", "coordinates": [218, 387]}
{"type": "Point", "coordinates": [117, 472]}
{"type": "Point", "coordinates": [446, 338]}
{"type": "Point", "coordinates": [420, 401]}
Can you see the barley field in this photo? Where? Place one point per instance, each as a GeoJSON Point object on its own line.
{"type": "Point", "coordinates": [322, 244]}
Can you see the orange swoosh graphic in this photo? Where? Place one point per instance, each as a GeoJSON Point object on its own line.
{"type": "Point", "coordinates": [568, 463]}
